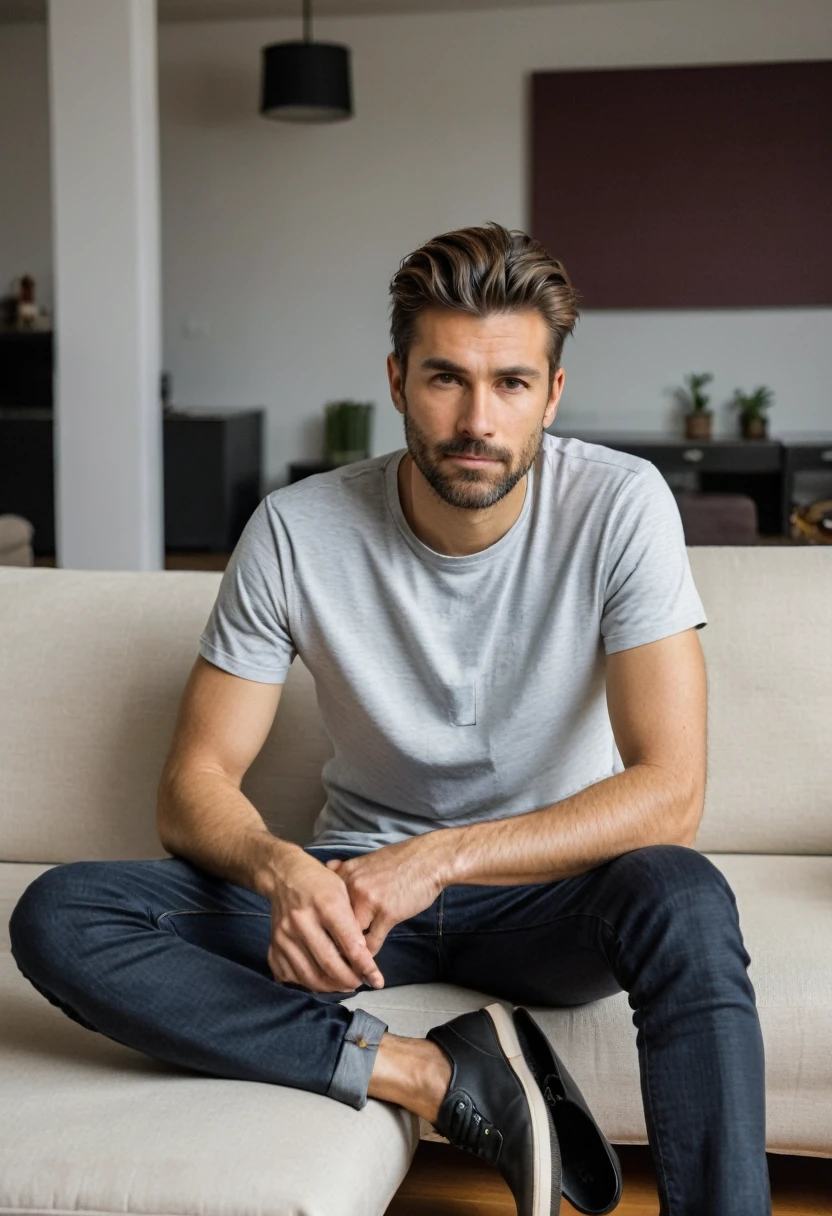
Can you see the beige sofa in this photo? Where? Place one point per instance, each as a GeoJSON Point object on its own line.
{"type": "Point", "coordinates": [91, 669]}
{"type": "Point", "coordinates": [16, 541]}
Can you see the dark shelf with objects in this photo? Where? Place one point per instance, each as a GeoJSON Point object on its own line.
{"type": "Point", "coordinates": [213, 459]}
{"type": "Point", "coordinates": [212, 475]}
{"type": "Point", "coordinates": [26, 478]}
{"type": "Point", "coordinates": [763, 470]}
{"type": "Point", "coordinates": [26, 368]}
{"type": "Point", "coordinates": [749, 467]}
{"type": "Point", "coordinates": [803, 452]}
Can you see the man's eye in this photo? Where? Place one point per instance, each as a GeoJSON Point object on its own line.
{"type": "Point", "coordinates": [445, 377]}
{"type": "Point", "coordinates": [511, 382]}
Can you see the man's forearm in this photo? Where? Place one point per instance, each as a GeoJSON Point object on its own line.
{"type": "Point", "coordinates": [640, 806]}
{"type": "Point", "coordinates": [203, 817]}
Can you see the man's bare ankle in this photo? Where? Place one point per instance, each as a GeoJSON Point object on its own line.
{"type": "Point", "coordinates": [413, 1073]}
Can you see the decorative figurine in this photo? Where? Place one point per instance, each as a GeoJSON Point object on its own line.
{"type": "Point", "coordinates": [26, 313]}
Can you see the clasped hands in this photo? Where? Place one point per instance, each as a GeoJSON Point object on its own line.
{"type": "Point", "coordinates": [329, 921]}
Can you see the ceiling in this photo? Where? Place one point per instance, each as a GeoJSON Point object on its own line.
{"type": "Point", "coordinates": [229, 10]}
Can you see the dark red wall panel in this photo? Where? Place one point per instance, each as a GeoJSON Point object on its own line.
{"type": "Point", "coordinates": [687, 187]}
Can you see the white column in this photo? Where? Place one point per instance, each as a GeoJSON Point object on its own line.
{"type": "Point", "coordinates": [105, 182]}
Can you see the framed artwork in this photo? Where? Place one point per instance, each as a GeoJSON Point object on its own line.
{"type": "Point", "coordinates": [691, 187]}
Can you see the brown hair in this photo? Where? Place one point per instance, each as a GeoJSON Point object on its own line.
{"type": "Point", "coordinates": [482, 271]}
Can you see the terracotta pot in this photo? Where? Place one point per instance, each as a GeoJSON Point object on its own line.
{"type": "Point", "coordinates": [754, 428]}
{"type": "Point", "coordinates": [698, 425]}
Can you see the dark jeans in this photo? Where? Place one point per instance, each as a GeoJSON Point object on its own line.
{"type": "Point", "coordinates": [171, 961]}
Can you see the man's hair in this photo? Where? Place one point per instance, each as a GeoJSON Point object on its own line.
{"type": "Point", "coordinates": [482, 271]}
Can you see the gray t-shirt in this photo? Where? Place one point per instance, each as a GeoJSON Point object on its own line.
{"type": "Point", "coordinates": [456, 689]}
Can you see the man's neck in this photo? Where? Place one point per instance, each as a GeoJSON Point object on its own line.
{"type": "Point", "coordinates": [454, 531]}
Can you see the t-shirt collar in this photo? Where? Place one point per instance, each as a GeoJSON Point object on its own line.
{"type": "Point", "coordinates": [446, 561]}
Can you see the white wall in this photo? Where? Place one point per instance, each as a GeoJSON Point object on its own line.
{"type": "Point", "coordinates": [25, 203]}
{"type": "Point", "coordinates": [279, 242]}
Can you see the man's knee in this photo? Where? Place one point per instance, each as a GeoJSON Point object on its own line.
{"type": "Point", "coordinates": [42, 917]}
{"type": "Point", "coordinates": [678, 884]}
{"type": "Point", "coordinates": [676, 916]}
{"type": "Point", "coordinates": [671, 870]}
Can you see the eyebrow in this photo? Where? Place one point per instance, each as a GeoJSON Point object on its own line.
{"type": "Point", "coordinates": [447, 365]}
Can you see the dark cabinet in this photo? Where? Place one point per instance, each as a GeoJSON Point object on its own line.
{"type": "Point", "coordinates": [722, 466]}
{"type": "Point", "coordinates": [26, 479]}
{"type": "Point", "coordinates": [212, 475]}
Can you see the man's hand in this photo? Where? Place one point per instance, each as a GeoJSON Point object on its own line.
{"type": "Point", "coordinates": [316, 939]}
{"type": "Point", "coordinates": [391, 884]}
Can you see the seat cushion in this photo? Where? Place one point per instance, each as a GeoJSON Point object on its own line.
{"type": "Point", "coordinates": [717, 519]}
{"type": "Point", "coordinates": [93, 663]}
{"type": "Point", "coordinates": [785, 909]}
{"type": "Point", "coordinates": [15, 541]}
{"type": "Point", "coordinates": [87, 1124]}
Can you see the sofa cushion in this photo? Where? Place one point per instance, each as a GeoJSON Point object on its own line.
{"type": "Point", "coordinates": [785, 909]}
{"type": "Point", "coordinates": [16, 541]}
{"type": "Point", "coordinates": [92, 666]}
{"type": "Point", "coordinates": [769, 662]}
{"type": "Point", "coordinates": [177, 1142]}
{"type": "Point", "coordinates": [89, 1125]}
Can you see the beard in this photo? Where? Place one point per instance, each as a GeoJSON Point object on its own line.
{"type": "Point", "coordinates": [469, 487]}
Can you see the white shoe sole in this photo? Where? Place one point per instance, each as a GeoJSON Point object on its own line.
{"type": "Point", "coordinates": [541, 1147]}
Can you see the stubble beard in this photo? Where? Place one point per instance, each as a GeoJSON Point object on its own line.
{"type": "Point", "coordinates": [470, 488]}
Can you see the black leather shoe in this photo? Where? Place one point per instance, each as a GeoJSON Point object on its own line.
{"type": "Point", "coordinates": [495, 1109]}
{"type": "Point", "coordinates": [591, 1169]}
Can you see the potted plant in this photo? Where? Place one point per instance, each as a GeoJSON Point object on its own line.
{"type": "Point", "coordinates": [347, 431]}
{"type": "Point", "coordinates": [752, 407]}
{"type": "Point", "coordinates": [698, 417]}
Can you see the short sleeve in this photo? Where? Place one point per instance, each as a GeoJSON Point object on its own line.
{"type": "Point", "coordinates": [649, 592]}
{"type": "Point", "coordinates": [248, 633]}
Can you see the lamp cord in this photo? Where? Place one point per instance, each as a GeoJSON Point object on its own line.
{"type": "Point", "coordinates": [307, 20]}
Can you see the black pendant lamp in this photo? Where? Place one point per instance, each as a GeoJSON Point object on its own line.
{"type": "Point", "coordinates": [306, 81]}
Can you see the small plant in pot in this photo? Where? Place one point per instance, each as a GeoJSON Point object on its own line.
{"type": "Point", "coordinates": [698, 417]}
{"type": "Point", "coordinates": [347, 427]}
{"type": "Point", "coordinates": [752, 407]}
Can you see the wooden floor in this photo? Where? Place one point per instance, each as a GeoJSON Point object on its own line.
{"type": "Point", "coordinates": [173, 561]}
{"type": "Point", "coordinates": [443, 1181]}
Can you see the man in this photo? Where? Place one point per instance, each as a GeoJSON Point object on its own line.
{"type": "Point", "coordinates": [502, 628]}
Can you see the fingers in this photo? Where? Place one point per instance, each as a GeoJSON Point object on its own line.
{"type": "Point", "coordinates": [375, 935]}
{"type": "Point", "coordinates": [295, 965]}
{"type": "Point", "coordinates": [301, 930]}
{"type": "Point", "coordinates": [355, 945]}
{"type": "Point", "coordinates": [352, 943]}
{"type": "Point", "coordinates": [321, 949]}
{"type": "Point", "coordinates": [321, 924]}
{"type": "Point", "coordinates": [325, 945]}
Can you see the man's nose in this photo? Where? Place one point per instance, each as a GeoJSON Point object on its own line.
{"type": "Point", "coordinates": [477, 416]}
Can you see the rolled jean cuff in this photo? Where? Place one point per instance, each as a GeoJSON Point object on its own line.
{"type": "Point", "coordinates": [356, 1059]}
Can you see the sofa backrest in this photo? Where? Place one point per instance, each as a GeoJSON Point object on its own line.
{"type": "Point", "coordinates": [92, 666]}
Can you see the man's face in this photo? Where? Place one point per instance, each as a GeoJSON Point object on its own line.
{"type": "Point", "coordinates": [478, 387]}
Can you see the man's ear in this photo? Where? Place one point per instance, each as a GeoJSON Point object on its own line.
{"type": "Point", "coordinates": [396, 381]}
{"type": "Point", "coordinates": [554, 397]}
